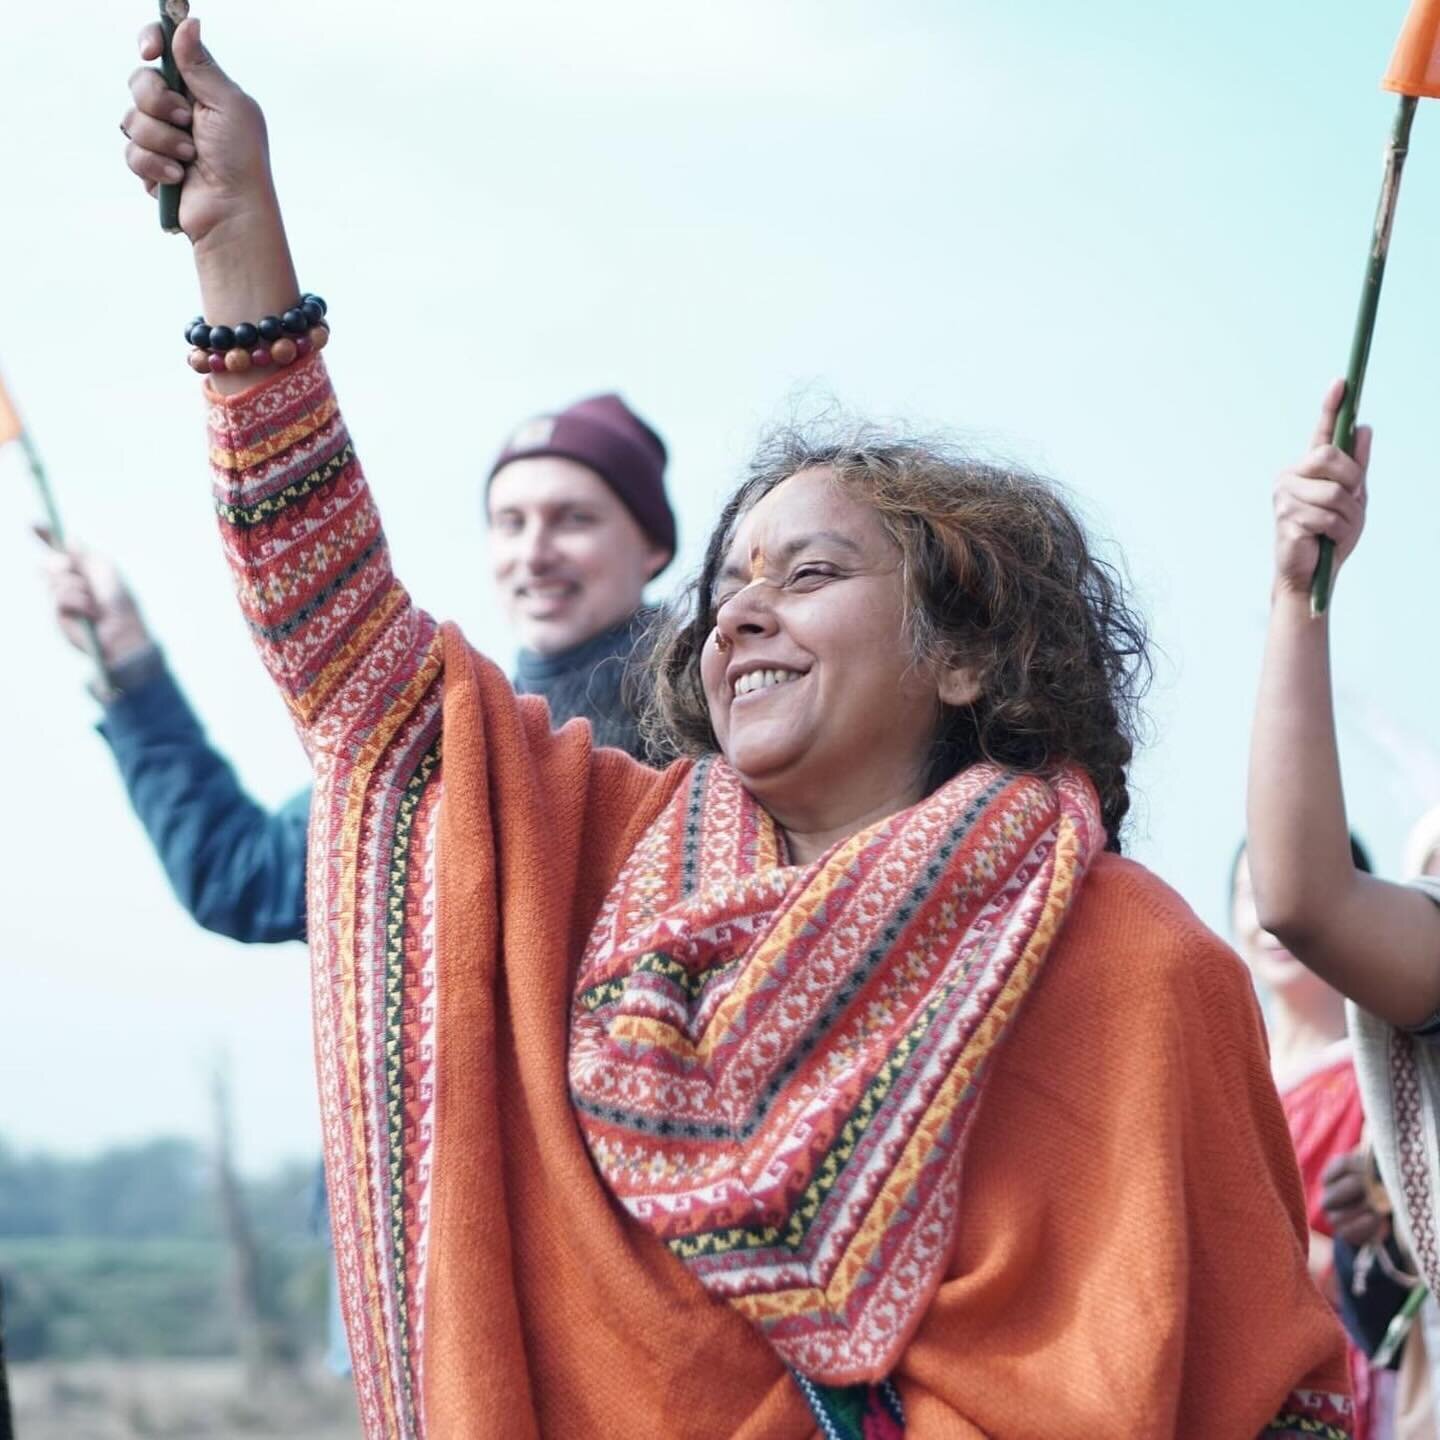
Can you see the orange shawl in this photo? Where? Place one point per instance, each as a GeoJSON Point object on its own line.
{"type": "Point", "coordinates": [1132, 1257]}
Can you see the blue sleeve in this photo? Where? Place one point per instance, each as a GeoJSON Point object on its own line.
{"type": "Point", "coordinates": [238, 868]}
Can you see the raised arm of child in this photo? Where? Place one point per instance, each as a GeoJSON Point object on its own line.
{"type": "Point", "coordinates": [1376, 942]}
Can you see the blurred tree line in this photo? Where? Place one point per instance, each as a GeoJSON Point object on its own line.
{"type": "Point", "coordinates": [128, 1254]}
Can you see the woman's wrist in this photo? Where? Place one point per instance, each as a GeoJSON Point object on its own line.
{"type": "Point", "coordinates": [245, 271]}
{"type": "Point", "coordinates": [1289, 601]}
{"type": "Point", "coordinates": [244, 266]}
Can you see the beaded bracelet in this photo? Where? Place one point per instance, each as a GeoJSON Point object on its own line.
{"type": "Point", "coordinates": [275, 340]}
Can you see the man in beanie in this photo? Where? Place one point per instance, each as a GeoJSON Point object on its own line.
{"type": "Point", "coordinates": [579, 525]}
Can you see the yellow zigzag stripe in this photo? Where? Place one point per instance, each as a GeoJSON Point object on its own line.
{"type": "Point", "coordinates": [272, 445]}
{"type": "Point", "coordinates": [323, 687]}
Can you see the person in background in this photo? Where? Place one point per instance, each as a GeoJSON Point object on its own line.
{"type": "Point", "coordinates": [1361, 1212]}
{"type": "Point", "coordinates": [1314, 1070]}
{"type": "Point", "coordinates": [579, 524]}
{"type": "Point", "coordinates": [1375, 942]}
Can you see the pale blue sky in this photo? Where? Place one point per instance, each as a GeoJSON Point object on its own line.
{"type": "Point", "coordinates": [1120, 242]}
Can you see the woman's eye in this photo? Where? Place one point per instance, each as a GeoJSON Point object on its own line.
{"type": "Point", "coordinates": [811, 574]}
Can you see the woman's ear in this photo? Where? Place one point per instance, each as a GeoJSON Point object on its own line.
{"type": "Point", "coordinates": [959, 685]}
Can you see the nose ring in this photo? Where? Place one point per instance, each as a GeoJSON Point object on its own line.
{"type": "Point", "coordinates": [722, 641]}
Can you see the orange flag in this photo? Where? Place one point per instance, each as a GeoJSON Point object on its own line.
{"type": "Point", "coordinates": [10, 426]}
{"type": "Point", "coordinates": [1415, 65]}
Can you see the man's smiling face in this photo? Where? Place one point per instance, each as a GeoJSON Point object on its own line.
{"type": "Point", "coordinates": [569, 560]}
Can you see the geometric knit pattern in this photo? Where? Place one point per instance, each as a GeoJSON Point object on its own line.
{"type": "Point", "coordinates": [776, 1066]}
{"type": "Point", "coordinates": [1313, 1415]}
{"type": "Point", "coordinates": [358, 665]}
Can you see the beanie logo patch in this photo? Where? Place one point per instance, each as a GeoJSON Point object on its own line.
{"type": "Point", "coordinates": [533, 433]}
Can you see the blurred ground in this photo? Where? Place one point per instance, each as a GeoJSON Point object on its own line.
{"type": "Point", "coordinates": [168, 1399]}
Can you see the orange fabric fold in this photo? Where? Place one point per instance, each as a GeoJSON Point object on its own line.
{"type": "Point", "coordinates": [1130, 1251]}
{"type": "Point", "coordinates": [1415, 65]}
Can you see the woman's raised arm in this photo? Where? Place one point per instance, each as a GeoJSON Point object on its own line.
{"type": "Point", "coordinates": [337, 632]}
{"type": "Point", "coordinates": [1374, 941]}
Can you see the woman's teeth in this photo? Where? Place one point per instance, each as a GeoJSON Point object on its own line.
{"type": "Point", "coordinates": [763, 680]}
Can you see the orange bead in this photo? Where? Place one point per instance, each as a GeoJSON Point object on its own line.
{"type": "Point", "coordinates": [319, 337]}
{"type": "Point", "coordinates": [237, 360]}
{"type": "Point", "coordinates": [200, 361]}
{"type": "Point", "coordinates": [283, 351]}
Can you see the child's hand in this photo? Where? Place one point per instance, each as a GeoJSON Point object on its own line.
{"type": "Point", "coordinates": [1349, 1199]}
{"type": "Point", "coordinates": [1323, 494]}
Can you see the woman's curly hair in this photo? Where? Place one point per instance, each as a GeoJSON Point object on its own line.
{"type": "Point", "coordinates": [999, 576]}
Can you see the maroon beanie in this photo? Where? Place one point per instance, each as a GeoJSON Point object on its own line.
{"type": "Point", "coordinates": [605, 434]}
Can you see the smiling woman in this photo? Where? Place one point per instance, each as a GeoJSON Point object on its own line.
{"type": "Point", "coordinates": [834, 1080]}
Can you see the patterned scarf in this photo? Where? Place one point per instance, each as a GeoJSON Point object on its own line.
{"type": "Point", "coordinates": [775, 1066]}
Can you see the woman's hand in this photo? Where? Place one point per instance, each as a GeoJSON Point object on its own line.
{"type": "Point", "coordinates": [215, 142]}
{"type": "Point", "coordinates": [227, 204]}
{"type": "Point", "coordinates": [1324, 494]}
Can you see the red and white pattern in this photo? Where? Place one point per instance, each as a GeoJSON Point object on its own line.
{"type": "Point", "coordinates": [775, 1066]}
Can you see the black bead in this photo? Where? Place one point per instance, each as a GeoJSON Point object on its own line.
{"type": "Point", "coordinates": [314, 311]}
{"type": "Point", "coordinates": [222, 337]}
{"type": "Point", "coordinates": [246, 336]}
{"type": "Point", "coordinates": [296, 322]}
{"type": "Point", "coordinates": [271, 329]}
{"type": "Point", "coordinates": [311, 295]}
{"type": "Point", "coordinates": [199, 335]}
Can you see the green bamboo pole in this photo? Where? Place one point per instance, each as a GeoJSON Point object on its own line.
{"type": "Point", "coordinates": [1398, 1328]}
{"type": "Point", "coordinates": [172, 12]}
{"type": "Point", "coordinates": [1344, 435]}
{"type": "Point", "coordinates": [57, 539]}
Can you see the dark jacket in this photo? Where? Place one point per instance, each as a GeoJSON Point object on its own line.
{"type": "Point", "coordinates": [238, 868]}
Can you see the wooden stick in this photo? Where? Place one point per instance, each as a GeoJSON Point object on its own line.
{"type": "Point", "coordinates": [57, 539]}
{"type": "Point", "coordinates": [172, 12]}
{"type": "Point", "coordinates": [1344, 436]}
